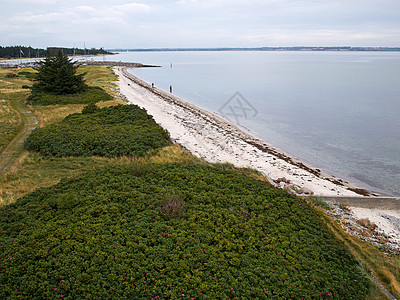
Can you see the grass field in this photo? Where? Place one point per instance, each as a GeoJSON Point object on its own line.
{"type": "Point", "coordinates": [9, 122]}
{"type": "Point", "coordinates": [11, 92]}
{"type": "Point", "coordinates": [102, 77]}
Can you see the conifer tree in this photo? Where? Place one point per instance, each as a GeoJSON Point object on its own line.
{"type": "Point", "coordinates": [56, 75]}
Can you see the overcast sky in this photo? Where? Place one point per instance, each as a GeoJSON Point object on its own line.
{"type": "Point", "coordinates": [199, 23]}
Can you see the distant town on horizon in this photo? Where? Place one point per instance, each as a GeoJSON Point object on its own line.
{"type": "Point", "coordinates": [30, 52]}
{"type": "Point", "coordinates": [293, 48]}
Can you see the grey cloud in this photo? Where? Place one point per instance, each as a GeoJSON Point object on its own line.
{"type": "Point", "coordinates": [201, 23]}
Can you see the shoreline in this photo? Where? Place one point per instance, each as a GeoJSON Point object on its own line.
{"type": "Point", "coordinates": [211, 137]}
{"type": "Point", "coordinates": [280, 168]}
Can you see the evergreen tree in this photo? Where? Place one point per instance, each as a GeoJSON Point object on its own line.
{"type": "Point", "coordinates": [56, 75]}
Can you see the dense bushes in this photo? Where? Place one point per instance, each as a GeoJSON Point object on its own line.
{"type": "Point", "coordinates": [111, 131]}
{"type": "Point", "coordinates": [90, 95]}
{"type": "Point", "coordinates": [106, 234]}
{"type": "Point", "coordinates": [28, 75]}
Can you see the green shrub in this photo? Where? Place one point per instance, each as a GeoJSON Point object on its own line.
{"type": "Point", "coordinates": [29, 75]}
{"type": "Point", "coordinates": [104, 235]}
{"type": "Point", "coordinates": [90, 95]}
{"type": "Point", "coordinates": [112, 131]}
{"type": "Point", "coordinates": [90, 108]}
{"type": "Point", "coordinates": [319, 202]}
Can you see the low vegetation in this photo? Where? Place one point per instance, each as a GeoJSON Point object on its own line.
{"type": "Point", "coordinates": [165, 225]}
{"type": "Point", "coordinates": [58, 82]}
{"type": "Point", "coordinates": [385, 268]}
{"type": "Point", "coordinates": [107, 233]}
{"type": "Point", "coordinates": [90, 95]}
{"type": "Point", "coordinates": [112, 131]}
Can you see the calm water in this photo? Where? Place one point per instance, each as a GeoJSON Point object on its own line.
{"type": "Point", "coordinates": [336, 111]}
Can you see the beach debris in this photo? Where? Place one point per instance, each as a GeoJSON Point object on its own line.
{"type": "Point", "coordinates": [282, 179]}
{"type": "Point", "coordinates": [294, 189]}
{"type": "Point", "coordinates": [393, 220]}
{"type": "Point", "coordinates": [363, 228]}
{"type": "Point", "coordinates": [298, 190]}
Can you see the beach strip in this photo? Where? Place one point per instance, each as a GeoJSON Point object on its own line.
{"type": "Point", "coordinates": [209, 136]}
{"type": "Point", "coordinates": [216, 140]}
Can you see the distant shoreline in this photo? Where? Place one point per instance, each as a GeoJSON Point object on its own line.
{"type": "Point", "coordinates": [300, 48]}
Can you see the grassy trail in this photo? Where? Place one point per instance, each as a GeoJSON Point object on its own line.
{"type": "Point", "coordinates": [15, 148]}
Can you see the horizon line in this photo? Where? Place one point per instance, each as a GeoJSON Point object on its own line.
{"type": "Point", "coordinates": [275, 48]}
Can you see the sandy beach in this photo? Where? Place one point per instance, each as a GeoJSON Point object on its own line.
{"type": "Point", "coordinates": [211, 137]}
{"type": "Point", "coordinates": [214, 139]}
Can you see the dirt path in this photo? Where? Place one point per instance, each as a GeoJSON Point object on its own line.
{"type": "Point", "coordinates": [15, 148]}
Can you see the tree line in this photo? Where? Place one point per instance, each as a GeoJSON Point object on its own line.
{"type": "Point", "coordinates": [30, 52]}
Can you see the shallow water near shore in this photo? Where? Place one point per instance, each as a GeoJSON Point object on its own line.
{"type": "Point", "coordinates": [339, 112]}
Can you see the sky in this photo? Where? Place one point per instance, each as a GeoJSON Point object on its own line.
{"type": "Point", "coordinates": [199, 23]}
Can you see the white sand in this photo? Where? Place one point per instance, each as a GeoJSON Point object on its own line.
{"type": "Point", "coordinates": [388, 221]}
{"type": "Point", "coordinates": [212, 138]}
{"type": "Point", "coordinates": [208, 136]}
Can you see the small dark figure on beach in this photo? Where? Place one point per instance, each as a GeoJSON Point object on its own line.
{"type": "Point", "coordinates": [152, 85]}
{"type": "Point", "coordinates": [170, 89]}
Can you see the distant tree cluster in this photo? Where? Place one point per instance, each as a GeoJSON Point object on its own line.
{"type": "Point", "coordinates": [29, 52]}
{"type": "Point", "coordinates": [76, 51]}
{"type": "Point", "coordinates": [19, 51]}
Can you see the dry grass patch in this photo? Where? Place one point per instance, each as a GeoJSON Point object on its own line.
{"type": "Point", "coordinates": [18, 81]}
{"type": "Point", "coordinates": [32, 171]}
{"type": "Point", "coordinates": [50, 114]}
{"type": "Point", "coordinates": [9, 123]}
{"type": "Point", "coordinates": [367, 224]}
{"type": "Point", "coordinates": [172, 207]}
{"type": "Point", "coordinates": [103, 77]}
{"type": "Point", "coordinates": [10, 92]}
{"type": "Point", "coordinates": [171, 154]}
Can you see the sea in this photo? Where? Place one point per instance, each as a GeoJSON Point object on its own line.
{"type": "Point", "coordinates": [336, 111]}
